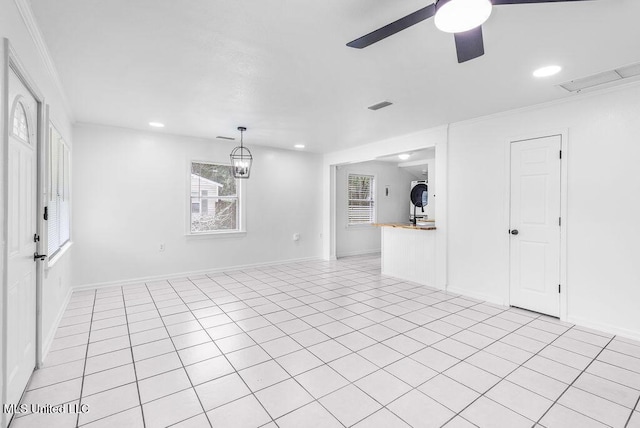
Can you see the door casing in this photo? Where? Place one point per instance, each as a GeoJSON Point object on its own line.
{"type": "Point", "coordinates": [11, 63]}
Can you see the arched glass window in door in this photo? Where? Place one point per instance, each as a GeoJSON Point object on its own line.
{"type": "Point", "coordinates": [20, 128]}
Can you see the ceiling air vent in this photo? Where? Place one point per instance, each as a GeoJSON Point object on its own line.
{"type": "Point", "coordinates": [591, 81]}
{"type": "Point", "coordinates": [378, 106]}
{"type": "Point", "coordinates": [219, 137]}
{"type": "Point", "coordinates": [602, 78]}
{"type": "Point", "coordinates": [629, 70]}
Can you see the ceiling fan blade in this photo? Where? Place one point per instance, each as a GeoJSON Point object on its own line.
{"type": "Point", "coordinates": [469, 44]}
{"type": "Point", "coordinates": [497, 2]}
{"type": "Point", "coordinates": [394, 27]}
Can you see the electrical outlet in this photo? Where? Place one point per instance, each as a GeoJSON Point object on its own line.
{"type": "Point", "coordinates": [296, 236]}
{"type": "Point", "coordinates": [161, 247]}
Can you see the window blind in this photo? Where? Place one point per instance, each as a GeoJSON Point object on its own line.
{"type": "Point", "coordinates": [361, 191]}
{"type": "Point", "coordinates": [59, 194]}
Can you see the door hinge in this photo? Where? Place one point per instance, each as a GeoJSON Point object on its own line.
{"type": "Point", "coordinates": [36, 237]}
{"type": "Point", "coordinates": [559, 221]}
{"type": "Point", "coordinates": [46, 213]}
{"type": "Point", "coordinates": [560, 154]}
{"type": "Point", "coordinates": [558, 288]}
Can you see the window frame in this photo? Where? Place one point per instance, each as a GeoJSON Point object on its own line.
{"type": "Point", "coordinates": [241, 211]}
{"type": "Point", "coordinates": [374, 200]}
{"type": "Point", "coordinates": [19, 107]}
{"type": "Point", "coordinates": [66, 191]}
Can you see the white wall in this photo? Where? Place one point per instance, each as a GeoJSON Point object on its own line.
{"type": "Point", "coordinates": [603, 220]}
{"type": "Point", "coordinates": [130, 195]}
{"type": "Point", "coordinates": [23, 39]}
{"type": "Point", "coordinates": [603, 205]}
{"type": "Point", "coordinates": [394, 208]}
{"type": "Point", "coordinates": [367, 152]}
{"type": "Point", "coordinates": [436, 137]}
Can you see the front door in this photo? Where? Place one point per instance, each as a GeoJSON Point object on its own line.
{"type": "Point", "coordinates": [535, 224]}
{"type": "Point", "coordinates": [21, 267]}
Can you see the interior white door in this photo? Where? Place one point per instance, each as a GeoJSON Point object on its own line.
{"type": "Point", "coordinates": [535, 224]}
{"type": "Point", "coordinates": [21, 267]}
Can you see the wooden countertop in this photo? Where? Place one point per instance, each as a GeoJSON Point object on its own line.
{"type": "Point", "coordinates": [406, 226]}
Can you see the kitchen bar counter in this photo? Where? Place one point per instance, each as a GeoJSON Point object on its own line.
{"type": "Point", "coordinates": [408, 226]}
{"type": "Point", "coordinates": [408, 252]}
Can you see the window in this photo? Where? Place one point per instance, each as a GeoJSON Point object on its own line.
{"type": "Point", "coordinates": [361, 190]}
{"type": "Point", "coordinates": [59, 195]}
{"type": "Point", "coordinates": [214, 199]}
{"type": "Point", "coordinates": [20, 127]}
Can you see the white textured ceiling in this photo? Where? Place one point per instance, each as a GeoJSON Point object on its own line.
{"type": "Point", "coordinates": [281, 67]}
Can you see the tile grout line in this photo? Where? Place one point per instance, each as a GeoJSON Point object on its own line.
{"type": "Point", "coordinates": [377, 342]}
{"type": "Point", "coordinates": [133, 361]}
{"type": "Point", "coordinates": [181, 363]}
{"type": "Point", "coordinates": [571, 384]}
{"type": "Point", "coordinates": [243, 289]}
{"type": "Point", "coordinates": [632, 410]}
{"type": "Point", "coordinates": [417, 326]}
{"type": "Point", "coordinates": [460, 361]}
{"type": "Point", "coordinates": [505, 376]}
{"type": "Point", "coordinates": [84, 369]}
{"type": "Point", "coordinates": [253, 393]}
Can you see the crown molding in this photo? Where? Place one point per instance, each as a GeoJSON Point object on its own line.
{"type": "Point", "coordinates": [24, 7]}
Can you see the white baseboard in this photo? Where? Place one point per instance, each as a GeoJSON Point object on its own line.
{"type": "Point", "coordinates": [479, 296]}
{"type": "Point", "coordinates": [604, 327]}
{"type": "Point", "coordinates": [579, 321]}
{"type": "Point", "coordinates": [46, 345]}
{"type": "Point", "coordinates": [132, 281]}
{"type": "Point", "coordinates": [359, 253]}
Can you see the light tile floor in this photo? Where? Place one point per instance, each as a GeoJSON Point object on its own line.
{"type": "Point", "coordinates": [325, 344]}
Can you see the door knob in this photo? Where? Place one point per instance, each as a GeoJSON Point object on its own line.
{"type": "Point", "coordinates": [514, 232]}
{"type": "Point", "coordinates": [37, 256]}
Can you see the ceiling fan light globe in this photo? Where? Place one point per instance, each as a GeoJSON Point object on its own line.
{"type": "Point", "coordinates": [458, 16]}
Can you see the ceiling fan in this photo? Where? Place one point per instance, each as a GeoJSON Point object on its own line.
{"type": "Point", "coordinates": [463, 18]}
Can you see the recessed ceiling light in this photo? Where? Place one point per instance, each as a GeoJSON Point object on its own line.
{"type": "Point", "coordinates": [547, 71]}
{"type": "Point", "coordinates": [156, 124]}
{"type": "Point", "coordinates": [299, 146]}
{"type": "Point", "coordinates": [404, 156]}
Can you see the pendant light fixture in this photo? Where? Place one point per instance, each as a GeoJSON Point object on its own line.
{"type": "Point", "coordinates": [241, 158]}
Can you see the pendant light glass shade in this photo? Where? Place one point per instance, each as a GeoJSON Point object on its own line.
{"type": "Point", "coordinates": [241, 158]}
{"type": "Point", "coordinates": [458, 16]}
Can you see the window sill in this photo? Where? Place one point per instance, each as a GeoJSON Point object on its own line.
{"type": "Point", "coordinates": [205, 235]}
{"type": "Point", "coordinates": [359, 226]}
{"type": "Point", "coordinates": [61, 252]}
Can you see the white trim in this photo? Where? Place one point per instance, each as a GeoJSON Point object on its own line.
{"type": "Point", "coordinates": [360, 253]}
{"type": "Point", "coordinates": [135, 281]}
{"type": "Point", "coordinates": [12, 63]}
{"type": "Point", "coordinates": [375, 201]}
{"type": "Point", "coordinates": [24, 7]}
{"type": "Point", "coordinates": [48, 341]}
{"type": "Point", "coordinates": [220, 234]}
{"type": "Point", "coordinates": [564, 225]}
{"type": "Point", "coordinates": [479, 296]}
{"type": "Point", "coordinates": [240, 195]}
{"type": "Point", "coordinates": [564, 147]}
{"type": "Point", "coordinates": [604, 327]}
{"type": "Point", "coordinates": [357, 226]}
{"type": "Point", "coordinates": [569, 99]}
{"type": "Point", "coordinates": [61, 251]}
